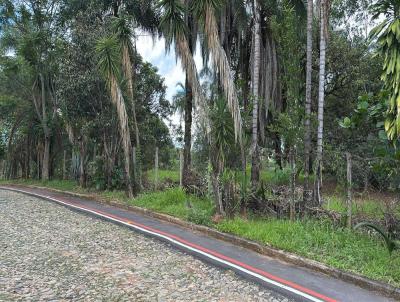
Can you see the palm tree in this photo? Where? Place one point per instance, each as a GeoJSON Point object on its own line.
{"type": "Point", "coordinates": [109, 59]}
{"type": "Point", "coordinates": [175, 29]}
{"type": "Point", "coordinates": [124, 33]}
{"type": "Point", "coordinates": [255, 163]}
{"type": "Point", "coordinates": [307, 123]}
{"type": "Point", "coordinates": [321, 95]}
{"type": "Point", "coordinates": [205, 11]}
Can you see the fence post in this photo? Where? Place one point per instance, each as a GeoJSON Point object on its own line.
{"type": "Point", "coordinates": [64, 176]}
{"type": "Point", "coordinates": [349, 188]}
{"type": "Point", "coordinates": [134, 168]}
{"type": "Point", "coordinates": [292, 183]}
{"type": "Point", "coordinates": [156, 170]}
{"type": "Point", "coordinates": [181, 167]}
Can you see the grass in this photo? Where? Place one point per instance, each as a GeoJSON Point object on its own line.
{"type": "Point", "coordinates": [340, 248]}
{"type": "Point", "coordinates": [368, 207]}
{"type": "Point", "coordinates": [65, 185]}
{"type": "Point", "coordinates": [317, 240]}
{"type": "Point", "coordinates": [164, 175]}
{"type": "Point", "coordinates": [175, 202]}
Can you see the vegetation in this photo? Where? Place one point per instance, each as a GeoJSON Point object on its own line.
{"type": "Point", "coordinates": [291, 122]}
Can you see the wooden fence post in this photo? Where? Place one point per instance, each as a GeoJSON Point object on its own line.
{"type": "Point", "coordinates": [349, 189]}
{"type": "Point", "coordinates": [292, 160]}
{"type": "Point", "coordinates": [156, 170]}
{"type": "Point", "coordinates": [181, 167]}
{"type": "Point", "coordinates": [134, 164]}
{"type": "Point", "coordinates": [64, 176]}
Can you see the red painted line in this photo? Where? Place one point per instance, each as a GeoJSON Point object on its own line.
{"type": "Point", "coordinates": [216, 254]}
{"type": "Point", "coordinates": [203, 249]}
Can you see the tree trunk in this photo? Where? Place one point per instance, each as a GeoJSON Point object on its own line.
{"type": "Point", "coordinates": [118, 100]}
{"type": "Point", "coordinates": [307, 122]}
{"type": "Point", "coordinates": [321, 100]}
{"type": "Point", "coordinates": [64, 176]}
{"type": "Point", "coordinates": [82, 170]}
{"type": "Point", "coordinates": [221, 64]}
{"type": "Point", "coordinates": [188, 131]}
{"type": "Point", "coordinates": [255, 159]}
{"type": "Point", "coordinates": [46, 130]}
{"type": "Point", "coordinates": [46, 158]}
{"type": "Point", "coordinates": [127, 67]}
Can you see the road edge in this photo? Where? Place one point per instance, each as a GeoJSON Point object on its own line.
{"type": "Point", "coordinates": [364, 282]}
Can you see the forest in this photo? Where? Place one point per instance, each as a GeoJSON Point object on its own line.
{"type": "Point", "coordinates": [288, 133]}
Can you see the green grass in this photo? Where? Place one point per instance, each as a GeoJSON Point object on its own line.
{"type": "Point", "coordinates": [65, 185]}
{"type": "Point", "coordinates": [337, 247]}
{"type": "Point", "coordinates": [174, 202]}
{"type": "Point", "coordinates": [164, 175]}
{"type": "Point", "coordinates": [370, 208]}
{"type": "Point", "coordinates": [340, 248]}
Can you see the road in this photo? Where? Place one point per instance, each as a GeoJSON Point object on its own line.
{"type": "Point", "coordinates": [49, 253]}
{"type": "Point", "coordinates": [278, 279]}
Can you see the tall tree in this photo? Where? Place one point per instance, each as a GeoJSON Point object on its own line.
{"type": "Point", "coordinates": [32, 35]}
{"type": "Point", "coordinates": [175, 28]}
{"type": "Point", "coordinates": [124, 33]}
{"type": "Point", "coordinates": [205, 11]}
{"type": "Point", "coordinates": [308, 102]}
{"type": "Point", "coordinates": [255, 160]}
{"type": "Point", "coordinates": [109, 61]}
{"type": "Point", "coordinates": [192, 38]}
{"type": "Point", "coordinates": [321, 96]}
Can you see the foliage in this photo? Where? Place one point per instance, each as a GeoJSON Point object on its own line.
{"type": "Point", "coordinates": [339, 248]}
{"type": "Point", "coordinates": [174, 202]}
{"type": "Point", "coordinates": [391, 244]}
{"type": "Point", "coordinates": [387, 34]}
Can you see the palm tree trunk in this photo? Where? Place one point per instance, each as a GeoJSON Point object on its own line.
{"type": "Point", "coordinates": [307, 123]}
{"type": "Point", "coordinates": [118, 100]}
{"type": "Point", "coordinates": [188, 131]}
{"type": "Point", "coordinates": [127, 68]}
{"type": "Point", "coordinates": [321, 100]}
{"type": "Point", "coordinates": [189, 65]}
{"type": "Point", "coordinates": [255, 160]}
{"type": "Point", "coordinates": [46, 130]}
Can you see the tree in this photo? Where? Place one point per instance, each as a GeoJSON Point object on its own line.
{"type": "Point", "coordinates": [204, 10]}
{"type": "Point", "coordinates": [321, 95]}
{"type": "Point", "coordinates": [175, 29]}
{"type": "Point", "coordinates": [255, 160]}
{"type": "Point", "coordinates": [33, 35]}
{"type": "Point", "coordinates": [387, 34]}
{"type": "Point", "coordinates": [122, 28]}
{"type": "Point", "coordinates": [308, 102]}
{"type": "Point", "coordinates": [108, 53]}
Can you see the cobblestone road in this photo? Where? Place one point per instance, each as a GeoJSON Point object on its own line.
{"type": "Point", "coordinates": [49, 253]}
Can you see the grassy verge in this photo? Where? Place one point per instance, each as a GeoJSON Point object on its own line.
{"type": "Point", "coordinates": [337, 247]}
{"type": "Point", "coordinates": [369, 208]}
{"type": "Point", "coordinates": [163, 175]}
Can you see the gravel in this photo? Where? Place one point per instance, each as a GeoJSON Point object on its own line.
{"type": "Point", "coordinates": [49, 253]}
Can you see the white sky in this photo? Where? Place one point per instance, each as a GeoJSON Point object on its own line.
{"type": "Point", "coordinates": [168, 67]}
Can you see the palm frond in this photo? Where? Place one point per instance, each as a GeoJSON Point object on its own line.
{"type": "Point", "coordinates": [390, 244]}
{"type": "Point", "coordinates": [108, 57]}
{"type": "Point", "coordinates": [221, 63]}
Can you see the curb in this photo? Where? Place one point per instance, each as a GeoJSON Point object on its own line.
{"type": "Point", "coordinates": [266, 250]}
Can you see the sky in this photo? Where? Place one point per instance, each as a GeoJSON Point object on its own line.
{"type": "Point", "coordinates": [153, 51]}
